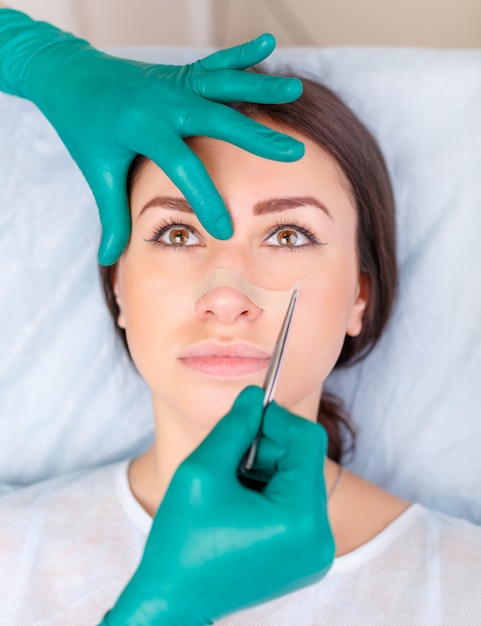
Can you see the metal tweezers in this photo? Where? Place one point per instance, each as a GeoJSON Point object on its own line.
{"type": "Point", "coordinates": [249, 475]}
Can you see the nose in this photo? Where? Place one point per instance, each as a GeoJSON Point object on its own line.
{"type": "Point", "coordinates": [226, 305]}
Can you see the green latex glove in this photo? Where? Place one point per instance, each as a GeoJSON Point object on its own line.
{"type": "Point", "coordinates": [106, 110]}
{"type": "Point", "coordinates": [215, 546]}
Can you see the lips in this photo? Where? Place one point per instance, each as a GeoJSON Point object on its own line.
{"type": "Point", "coordinates": [225, 360]}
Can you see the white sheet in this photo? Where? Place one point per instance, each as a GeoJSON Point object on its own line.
{"type": "Point", "coordinates": [69, 399]}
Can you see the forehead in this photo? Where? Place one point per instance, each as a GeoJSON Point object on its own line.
{"type": "Point", "coordinates": [236, 173]}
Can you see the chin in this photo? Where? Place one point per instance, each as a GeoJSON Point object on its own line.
{"type": "Point", "coordinates": [210, 408]}
{"type": "Point", "coordinates": [198, 408]}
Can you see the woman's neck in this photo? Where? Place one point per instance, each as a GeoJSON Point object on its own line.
{"type": "Point", "coordinates": [151, 473]}
{"type": "Point", "coordinates": [357, 509]}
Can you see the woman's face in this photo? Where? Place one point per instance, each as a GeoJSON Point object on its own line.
{"type": "Point", "coordinates": [292, 222]}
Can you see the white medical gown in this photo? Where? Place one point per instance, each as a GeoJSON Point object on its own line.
{"type": "Point", "coordinates": [69, 545]}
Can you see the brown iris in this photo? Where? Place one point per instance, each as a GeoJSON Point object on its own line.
{"type": "Point", "coordinates": [287, 237]}
{"type": "Point", "coordinates": [178, 236]}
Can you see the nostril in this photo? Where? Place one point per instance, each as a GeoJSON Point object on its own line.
{"type": "Point", "coordinates": [226, 305]}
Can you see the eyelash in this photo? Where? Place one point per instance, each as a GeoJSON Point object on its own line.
{"type": "Point", "coordinates": [163, 227]}
{"type": "Point", "coordinates": [166, 225]}
{"type": "Point", "coordinates": [296, 226]}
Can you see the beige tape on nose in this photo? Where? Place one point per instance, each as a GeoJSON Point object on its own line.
{"type": "Point", "coordinates": [263, 298]}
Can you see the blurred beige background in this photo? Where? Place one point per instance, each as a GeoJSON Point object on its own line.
{"type": "Point", "coordinates": [424, 23]}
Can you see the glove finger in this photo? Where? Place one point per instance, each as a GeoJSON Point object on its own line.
{"type": "Point", "coordinates": [110, 194]}
{"type": "Point", "coordinates": [188, 173]}
{"type": "Point", "coordinates": [299, 486]}
{"type": "Point", "coordinates": [268, 454]}
{"type": "Point", "coordinates": [230, 86]}
{"type": "Point", "coordinates": [240, 57]}
{"type": "Point", "coordinates": [231, 437]}
{"type": "Point", "coordinates": [226, 124]}
{"type": "Point", "coordinates": [300, 470]}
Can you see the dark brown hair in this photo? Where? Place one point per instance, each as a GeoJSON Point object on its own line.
{"type": "Point", "coordinates": [320, 115]}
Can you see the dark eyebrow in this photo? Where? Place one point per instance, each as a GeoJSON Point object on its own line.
{"type": "Point", "coordinates": [272, 205]}
{"type": "Point", "coordinates": [168, 202]}
{"type": "Point", "coordinates": [275, 205]}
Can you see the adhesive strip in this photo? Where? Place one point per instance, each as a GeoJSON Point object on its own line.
{"type": "Point", "coordinates": [263, 298]}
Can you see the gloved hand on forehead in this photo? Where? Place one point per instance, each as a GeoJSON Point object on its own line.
{"type": "Point", "coordinates": [215, 546]}
{"type": "Point", "coordinates": [107, 109]}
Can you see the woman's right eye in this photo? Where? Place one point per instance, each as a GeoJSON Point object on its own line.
{"type": "Point", "coordinates": [175, 236]}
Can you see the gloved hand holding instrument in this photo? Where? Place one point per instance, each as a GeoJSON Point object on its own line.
{"type": "Point", "coordinates": [249, 473]}
{"type": "Point", "coordinates": [107, 109]}
{"type": "Point", "coordinates": [217, 545]}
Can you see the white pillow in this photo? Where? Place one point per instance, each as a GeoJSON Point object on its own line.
{"type": "Point", "coordinates": [70, 399]}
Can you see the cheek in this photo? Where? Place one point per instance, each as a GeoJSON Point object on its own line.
{"type": "Point", "coordinates": [317, 335]}
{"type": "Point", "coordinates": [150, 303]}
{"type": "Point", "coordinates": [327, 297]}
{"type": "Point", "coordinates": [150, 290]}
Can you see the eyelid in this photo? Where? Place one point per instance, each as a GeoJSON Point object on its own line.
{"type": "Point", "coordinates": [300, 228]}
{"type": "Point", "coordinates": [165, 225]}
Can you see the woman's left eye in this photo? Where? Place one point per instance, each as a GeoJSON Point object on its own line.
{"type": "Point", "coordinates": [175, 236]}
{"type": "Point", "coordinates": [291, 236]}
